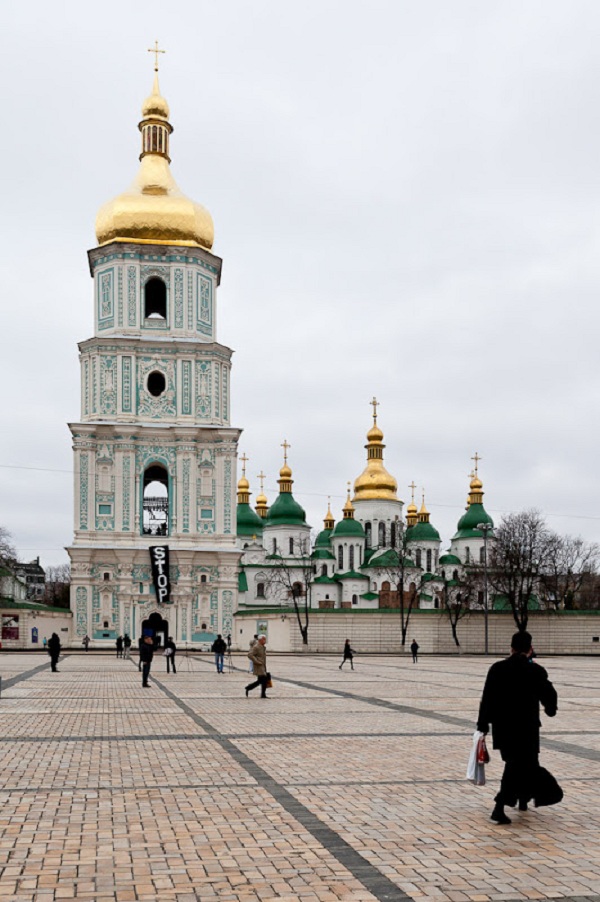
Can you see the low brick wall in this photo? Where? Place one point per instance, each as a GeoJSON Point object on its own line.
{"type": "Point", "coordinates": [568, 632]}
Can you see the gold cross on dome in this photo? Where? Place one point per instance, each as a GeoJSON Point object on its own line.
{"type": "Point", "coordinates": [262, 477]}
{"type": "Point", "coordinates": [476, 458]}
{"type": "Point", "coordinates": [155, 50]}
{"type": "Point", "coordinates": [244, 461]}
{"type": "Point", "coordinates": [412, 487]}
{"type": "Point", "coordinates": [375, 404]}
{"type": "Point", "coordinates": [285, 447]}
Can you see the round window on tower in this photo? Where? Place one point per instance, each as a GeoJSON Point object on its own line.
{"type": "Point", "coordinates": [156, 384]}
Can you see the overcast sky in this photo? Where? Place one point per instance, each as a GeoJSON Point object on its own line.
{"type": "Point", "coordinates": [407, 202]}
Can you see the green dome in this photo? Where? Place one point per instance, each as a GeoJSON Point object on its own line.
{"type": "Point", "coordinates": [468, 523]}
{"type": "Point", "coordinates": [348, 527]}
{"type": "Point", "coordinates": [285, 511]}
{"type": "Point", "coordinates": [449, 559]}
{"type": "Point", "coordinates": [324, 539]}
{"type": "Point", "coordinates": [422, 532]}
{"type": "Point", "coordinates": [248, 522]}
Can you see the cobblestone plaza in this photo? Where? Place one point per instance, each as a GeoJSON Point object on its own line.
{"type": "Point", "coordinates": [342, 785]}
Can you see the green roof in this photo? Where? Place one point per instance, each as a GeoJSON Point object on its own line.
{"type": "Point", "coordinates": [468, 523]}
{"type": "Point", "coordinates": [369, 596]}
{"type": "Point", "coordinates": [449, 559]}
{"type": "Point", "coordinates": [286, 511]}
{"type": "Point", "coordinates": [324, 539]}
{"type": "Point", "coordinates": [349, 527]}
{"type": "Point", "coordinates": [9, 603]}
{"type": "Point", "coordinates": [248, 522]}
{"type": "Point", "coordinates": [323, 579]}
{"type": "Point", "coordinates": [386, 557]}
{"type": "Point", "coordinates": [321, 554]}
{"type": "Point", "coordinates": [242, 582]}
{"type": "Point", "coordinates": [422, 532]}
{"type": "Point", "coordinates": [351, 574]}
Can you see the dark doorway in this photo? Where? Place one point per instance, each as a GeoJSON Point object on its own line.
{"type": "Point", "coordinates": [156, 627]}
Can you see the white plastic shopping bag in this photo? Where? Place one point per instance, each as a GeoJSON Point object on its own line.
{"type": "Point", "coordinates": [478, 758]}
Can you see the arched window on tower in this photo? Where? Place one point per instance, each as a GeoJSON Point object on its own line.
{"type": "Point", "coordinates": [467, 555]}
{"type": "Point", "coordinates": [156, 501]}
{"type": "Point", "coordinates": [340, 557]}
{"type": "Point", "coordinates": [368, 533]}
{"type": "Point", "coordinates": [418, 557]}
{"type": "Point", "coordinates": [291, 546]}
{"type": "Point", "coordinates": [429, 560]}
{"type": "Point", "coordinates": [393, 535]}
{"type": "Point", "coordinates": [482, 555]}
{"type": "Point", "coordinates": [382, 535]}
{"type": "Point", "coordinates": [260, 590]}
{"type": "Point", "coordinates": [324, 570]}
{"type": "Point", "coordinates": [351, 558]}
{"type": "Point", "coordinates": [155, 299]}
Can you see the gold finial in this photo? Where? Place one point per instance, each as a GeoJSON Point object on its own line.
{"type": "Point", "coordinates": [262, 476]}
{"type": "Point", "coordinates": [285, 447]}
{"type": "Point", "coordinates": [244, 461]}
{"type": "Point", "coordinates": [155, 50]}
{"type": "Point", "coordinates": [375, 404]}
{"type": "Point", "coordinates": [412, 488]}
{"type": "Point", "coordinates": [476, 458]}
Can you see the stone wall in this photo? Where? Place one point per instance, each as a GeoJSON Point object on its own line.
{"type": "Point", "coordinates": [376, 631]}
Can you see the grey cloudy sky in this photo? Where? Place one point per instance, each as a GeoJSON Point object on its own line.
{"type": "Point", "coordinates": [406, 198]}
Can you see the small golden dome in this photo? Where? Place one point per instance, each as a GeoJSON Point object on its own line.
{"type": "Point", "coordinates": [476, 484]}
{"type": "Point", "coordinates": [243, 485]}
{"type": "Point", "coordinates": [375, 434]}
{"type": "Point", "coordinates": [155, 105]}
{"type": "Point", "coordinates": [154, 210]}
{"type": "Point", "coordinates": [411, 508]}
{"type": "Point", "coordinates": [285, 472]}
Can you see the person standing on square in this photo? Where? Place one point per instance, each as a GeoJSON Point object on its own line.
{"type": "Point", "coordinates": [258, 656]}
{"type": "Point", "coordinates": [146, 655]}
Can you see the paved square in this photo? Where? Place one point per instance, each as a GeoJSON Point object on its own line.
{"type": "Point", "coordinates": [343, 785]}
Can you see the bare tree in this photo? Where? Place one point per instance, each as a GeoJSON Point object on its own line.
{"type": "Point", "coordinates": [8, 552]}
{"type": "Point", "coordinates": [457, 598]}
{"type": "Point", "coordinates": [571, 562]}
{"type": "Point", "coordinates": [519, 557]}
{"type": "Point", "coordinates": [290, 577]}
{"type": "Point", "coordinates": [58, 583]}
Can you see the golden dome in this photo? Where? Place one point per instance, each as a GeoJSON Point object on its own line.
{"type": "Point", "coordinates": [243, 485]}
{"type": "Point", "coordinates": [375, 481]}
{"type": "Point", "coordinates": [153, 210]}
{"type": "Point", "coordinates": [285, 472]}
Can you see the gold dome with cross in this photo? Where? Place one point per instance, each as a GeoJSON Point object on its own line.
{"type": "Point", "coordinates": [154, 210]}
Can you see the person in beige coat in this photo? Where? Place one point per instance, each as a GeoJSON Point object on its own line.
{"type": "Point", "coordinates": [258, 656]}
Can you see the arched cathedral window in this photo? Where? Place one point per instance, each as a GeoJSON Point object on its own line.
{"type": "Point", "coordinates": [155, 299]}
{"type": "Point", "coordinates": [382, 535]}
{"type": "Point", "coordinates": [156, 501]}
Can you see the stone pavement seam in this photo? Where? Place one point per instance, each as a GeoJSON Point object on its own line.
{"type": "Point", "coordinates": [372, 879]}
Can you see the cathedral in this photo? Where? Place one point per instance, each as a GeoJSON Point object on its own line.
{"type": "Point", "coordinates": [360, 561]}
{"type": "Point", "coordinates": [159, 546]}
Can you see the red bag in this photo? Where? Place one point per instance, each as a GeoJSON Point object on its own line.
{"type": "Point", "coordinates": [482, 755]}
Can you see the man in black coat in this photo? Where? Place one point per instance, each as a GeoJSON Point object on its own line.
{"type": "Point", "coordinates": [54, 651]}
{"type": "Point", "coordinates": [513, 692]}
{"type": "Point", "coordinates": [146, 655]}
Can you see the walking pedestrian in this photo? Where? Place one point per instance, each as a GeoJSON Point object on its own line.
{"type": "Point", "coordinates": [86, 642]}
{"type": "Point", "coordinates": [126, 646]}
{"type": "Point", "coordinates": [348, 654]}
{"type": "Point", "coordinates": [414, 648]}
{"type": "Point", "coordinates": [54, 651]}
{"type": "Point", "coordinates": [146, 655]}
{"type": "Point", "coordinates": [252, 644]}
{"type": "Point", "coordinates": [513, 691]}
{"type": "Point", "coordinates": [119, 644]}
{"type": "Point", "coordinates": [170, 652]}
{"type": "Point", "coordinates": [140, 643]}
{"type": "Point", "coordinates": [219, 647]}
{"type": "Point", "coordinates": [258, 656]}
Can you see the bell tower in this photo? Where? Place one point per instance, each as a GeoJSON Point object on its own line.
{"type": "Point", "coordinates": [154, 451]}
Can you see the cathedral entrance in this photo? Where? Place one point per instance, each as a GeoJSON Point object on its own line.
{"type": "Point", "coordinates": [156, 627]}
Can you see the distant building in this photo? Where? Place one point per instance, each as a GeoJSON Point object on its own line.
{"type": "Point", "coordinates": [34, 577]}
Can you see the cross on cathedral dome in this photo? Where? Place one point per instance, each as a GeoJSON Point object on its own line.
{"type": "Point", "coordinates": [154, 210]}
